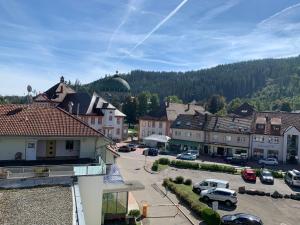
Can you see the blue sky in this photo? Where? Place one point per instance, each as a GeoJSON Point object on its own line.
{"type": "Point", "coordinates": [42, 40]}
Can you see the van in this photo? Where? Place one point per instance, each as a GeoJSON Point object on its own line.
{"type": "Point", "coordinates": [210, 184]}
{"type": "Point", "coordinates": [292, 178]}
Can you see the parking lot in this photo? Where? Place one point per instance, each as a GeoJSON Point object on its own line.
{"type": "Point", "coordinates": [271, 211]}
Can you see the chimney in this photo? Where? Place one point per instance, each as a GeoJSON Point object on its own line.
{"type": "Point", "coordinates": [205, 117]}
{"type": "Point", "coordinates": [62, 79]}
{"type": "Point", "coordinates": [70, 105]}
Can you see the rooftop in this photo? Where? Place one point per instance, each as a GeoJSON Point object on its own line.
{"type": "Point", "coordinates": [34, 120]}
{"type": "Point", "coordinates": [43, 205]}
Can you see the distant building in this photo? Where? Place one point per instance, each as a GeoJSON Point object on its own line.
{"type": "Point", "coordinates": [159, 122]}
{"type": "Point", "coordinates": [245, 110]}
{"type": "Point", "coordinates": [94, 110]}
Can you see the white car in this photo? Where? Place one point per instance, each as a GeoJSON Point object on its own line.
{"type": "Point", "coordinates": [186, 156]}
{"type": "Point", "coordinates": [225, 195]}
{"type": "Point", "coordinates": [210, 184]}
{"type": "Point", "coordinates": [268, 161]}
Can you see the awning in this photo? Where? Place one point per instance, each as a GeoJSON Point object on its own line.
{"type": "Point", "coordinates": [157, 138]}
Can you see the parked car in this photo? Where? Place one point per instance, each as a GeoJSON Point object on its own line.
{"type": "Point", "coordinates": [266, 177]}
{"type": "Point", "coordinates": [209, 184]}
{"type": "Point", "coordinates": [194, 152]}
{"type": "Point", "coordinates": [249, 175]}
{"type": "Point", "coordinates": [225, 195]}
{"type": "Point", "coordinates": [142, 145]}
{"type": "Point", "coordinates": [186, 156]}
{"type": "Point", "coordinates": [292, 178]}
{"type": "Point", "coordinates": [268, 161]}
{"type": "Point", "coordinates": [124, 148]}
{"type": "Point", "coordinates": [237, 159]}
{"type": "Point", "coordinates": [241, 218]}
{"type": "Point", "coordinates": [151, 151]}
{"type": "Point", "coordinates": [132, 147]}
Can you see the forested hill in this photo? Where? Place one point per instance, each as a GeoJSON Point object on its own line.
{"type": "Point", "coordinates": [243, 80]}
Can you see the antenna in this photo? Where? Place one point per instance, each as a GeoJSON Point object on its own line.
{"type": "Point", "coordinates": [29, 90]}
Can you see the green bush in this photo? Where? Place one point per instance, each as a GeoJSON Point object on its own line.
{"type": "Point", "coordinates": [134, 212]}
{"type": "Point", "coordinates": [278, 174]}
{"type": "Point", "coordinates": [164, 161]}
{"type": "Point", "coordinates": [154, 166]}
{"type": "Point", "coordinates": [217, 168]}
{"type": "Point", "coordinates": [179, 180]}
{"type": "Point", "coordinates": [188, 182]}
{"type": "Point", "coordinates": [210, 217]}
{"type": "Point", "coordinates": [184, 165]}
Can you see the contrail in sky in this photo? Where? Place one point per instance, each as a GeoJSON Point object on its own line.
{"type": "Point", "coordinates": [279, 13]}
{"type": "Point", "coordinates": [169, 16]}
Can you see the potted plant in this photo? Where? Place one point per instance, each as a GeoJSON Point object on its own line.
{"type": "Point", "coordinates": [41, 171]}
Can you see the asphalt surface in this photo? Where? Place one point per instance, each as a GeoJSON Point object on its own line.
{"type": "Point", "coordinates": [271, 211]}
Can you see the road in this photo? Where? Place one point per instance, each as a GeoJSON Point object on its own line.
{"type": "Point", "coordinates": [272, 211]}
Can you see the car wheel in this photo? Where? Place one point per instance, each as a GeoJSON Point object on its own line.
{"type": "Point", "coordinates": [206, 199]}
{"type": "Point", "coordinates": [228, 203]}
{"type": "Point", "coordinates": [197, 190]}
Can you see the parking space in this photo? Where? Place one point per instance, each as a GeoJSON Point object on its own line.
{"type": "Point", "coordinates": [271, 211]}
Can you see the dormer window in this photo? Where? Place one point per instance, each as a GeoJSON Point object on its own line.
{"type": "Point", "coordinates": [260, 126]}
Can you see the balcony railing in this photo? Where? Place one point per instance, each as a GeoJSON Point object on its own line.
{"type": "Point", "coordinates": [16, 172]}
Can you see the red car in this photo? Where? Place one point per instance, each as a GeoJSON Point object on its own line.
{"type": "Point", "coordinates": [249, 175]}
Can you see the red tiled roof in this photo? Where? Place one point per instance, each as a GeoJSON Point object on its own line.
{"type": "Point", "coordinates": [34, 120]}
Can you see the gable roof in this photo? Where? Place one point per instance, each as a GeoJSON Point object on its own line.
{"type": "Point", "coordinates": [175, 109]}
{"type": "Point", "coordinates": [81, 102]}
{"type": "Point", "coordinates": [189, 122]}
{"type": "Point", "coordinates": [244, 110]}
{"type": "Point", "coordinates": [34, 120]}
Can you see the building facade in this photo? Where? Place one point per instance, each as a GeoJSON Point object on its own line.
{"type": "Point", "coordinates": [93, 109]}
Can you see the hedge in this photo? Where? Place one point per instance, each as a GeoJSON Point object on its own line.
{"type": "Point", "coordinates": [207, 214]}
{"type": "Point", "coordinates": [188, 182]}
{"type": "Point", "coordinates": [164, 161]}
{"type": "Point", "coordinates": [179, 180]}
{"type": "Point", "coordinates": [184, 165]}
{"type": "Point", "coordinates": [155, 166]}
{"type": "Point", "coordinates": [217, 168]}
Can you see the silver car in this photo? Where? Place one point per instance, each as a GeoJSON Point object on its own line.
{"type": "Point", "coordinates": [186, 156]}
{"type": "Point", "coordinates": [227, 196]}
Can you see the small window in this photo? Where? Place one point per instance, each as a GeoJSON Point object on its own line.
{"type": "Point", "coordinates": [92, 120]}
{"type": "Point", "coordinates": [153, 123]}
{"type": "Point", "coordinates": [99, 120]}
{"type": "Point", "coordinates": [118, 120]}
{"type": "Point", "coordinates": [31, 145]}
{"type": "Point", "coordinates": [149, 124]}
{"type": "Point", "coordinates": [228, 138]}
{"type": "Point", "coordinates": [110, 118]}
{"type": "Point", "coordinates": [70, 145]}
{"type": "Point", "coordinates": [215, 137]}
{"type": "Point", "coordinates": [118, 131]}
{"type": "Point", "coordinates": [160, 124]}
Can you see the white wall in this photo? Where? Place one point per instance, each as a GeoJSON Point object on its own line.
{"type": "Point", "coordinates": [91, 191]}
{"type": "Point", "coordinates": [188, 135]}
{"type": "Point", "coordinates": [87, 147]}
{"type": "Point", "coordinates": [9, 146]}
{"type": "Point", "coordinates": [145, 130]}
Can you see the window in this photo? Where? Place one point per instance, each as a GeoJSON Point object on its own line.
{"type": "Point", "coordinates": [188, 134]}
{"type": "Point", "coordinates": [114, 203]}
{"type": "Point", "coordinates": [260, 126]}
{"type": "Point", "coordinates": [238, 139]}
{"type": "Point", "coordinates": [118, 131]}
{"type": "Point", "coordinates": [31, 145]}
{"type": "Point", "coordinates": [259, 138]}
{"type": "Point", "coordinates": [143, 133]}
{"type": "Point", "coordinates": [144, 123]}
{"type": "Point", "coordinates": [99, 120]}
{"type": "Point", "coordinates": [228, 138]}
{"type": "Point", "coordinates": [160, 133]}
{"type": "Point", "coordinates": [276, 140]}
{"type": "Point", "coordinates": [92, 120]}
{"type": "Point", "coordinates": [70, 145]}
{"type": "Point", "coordinates": [149, 123]}
{"type": "Point", "coordinates": [110, 118]}
{"type": "Point", "coordinates": [118, 120]}
{"type": "Point", "coordinates": [153, 123]}
{"type": "Point", "coordinates": [160, 124]}
{"type": "Point", "coordinates": [215, 137]}
{"type": "Point", "coordinates": [177, 133]}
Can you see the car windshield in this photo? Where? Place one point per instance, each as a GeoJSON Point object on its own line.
{"type": "Point", "coordinates": [266, 173]}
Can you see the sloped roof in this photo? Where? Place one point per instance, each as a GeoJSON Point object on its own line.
{"type": "Point", "coordinates": [81, 102]}
{"type": "Point", "coordinates": [285, 118]}
{"type": "Point", "coordinates": [34, 120]}
{"type": "Point", "coordinates": [244, 110]}
{"type": "Point", "coordinates": [189, 122]}
{"type": "Point", "coordinates": [175, 109]}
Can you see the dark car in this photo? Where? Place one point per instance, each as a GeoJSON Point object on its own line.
{"type": "Point", "coordinates": [124, 148]}
{"type": "Point", "coordinates": [241, 218]}
{"type": "Point", "coordinates": [236, 160]}
{"type": "Point", "coordinates": [266, 177]}
{"type": "Point", "coordinates": [151, 151]}
{"type": "Point", "coordinates": [132, 147]}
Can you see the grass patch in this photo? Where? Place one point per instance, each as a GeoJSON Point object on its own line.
{"type": "Point", "coordinates": [162, 167]}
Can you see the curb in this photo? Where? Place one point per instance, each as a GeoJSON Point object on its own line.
{"type": "Point", "coordinates": [149, 171]}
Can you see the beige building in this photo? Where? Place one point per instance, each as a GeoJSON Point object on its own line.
{"type": "Point", "coordinates": [159, 122]}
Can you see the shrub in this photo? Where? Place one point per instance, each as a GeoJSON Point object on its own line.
{"type": "Point", "coordinates": [184, 165]}
{"type": "Point", "coordinates": [134, 212]}
{"type": "Point", "coordinates": [154, 166]}
{"type": "Point", "coordinates": [276, 194]}
{"type": "Point", "coordinates": [188, 182]}
{"type": "Point", "coordinates": [179, 180]}
{"type": "Point", "coordinates": [210, 217]}
{"type": "Point", "coordinates": [164, 161]}
{"type": "Point", "coordinates": [217, 168]}
{"type": "Point", "coordinates": [242, 190]}
{"type": "Point", "coordinates": [278, 174]}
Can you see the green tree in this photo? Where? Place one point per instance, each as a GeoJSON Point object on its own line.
{"type": "Point", "coordinates": [143, 101]}
{"type": "Point", "coordinates": [173, 99]}
{"type": "Point", "coordinates": [154, 103]}
{"type": "Point", "coordinates": [285, 106]}
{"type": "Point", "coordinates": [216, 103]}
{"type": "Point", "coordinates": [130, 109]}
{"type": "Point", "coordinates": [234, 104]}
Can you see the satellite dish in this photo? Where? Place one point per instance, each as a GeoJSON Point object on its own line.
{"type": "Point", "coordinates": [29, 88]}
